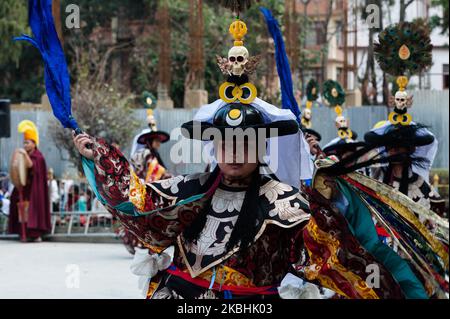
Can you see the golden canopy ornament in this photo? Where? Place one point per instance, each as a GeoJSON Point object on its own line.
{"type": "Point", "coordinates": [238, 29]}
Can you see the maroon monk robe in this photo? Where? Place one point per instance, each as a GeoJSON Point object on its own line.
{"type": "Point", "coordinates": [36, 192]}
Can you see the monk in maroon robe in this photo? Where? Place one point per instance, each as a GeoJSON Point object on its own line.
{"type": "Point", "coordinates": [36, 193]}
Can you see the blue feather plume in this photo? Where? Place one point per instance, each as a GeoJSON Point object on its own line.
{"type": "Point", "coordinates": [57, 80]}
{"type": "Point", "coordinates": [288, 100]}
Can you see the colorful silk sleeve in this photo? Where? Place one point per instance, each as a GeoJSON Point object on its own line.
{"type": "Point", "coordinates": [363, 228]}
{"type": "Point", "coordinates": [153, 216]}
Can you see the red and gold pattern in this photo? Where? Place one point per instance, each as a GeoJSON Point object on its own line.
{"type": "Point", "coordinates": [226, 279]}
{"type": "Point", "coordinates": [155, 171]}
{"type": "Point", "coordinates": [138, 192]}
{"type": "Point", "coordinates": [326, 267]}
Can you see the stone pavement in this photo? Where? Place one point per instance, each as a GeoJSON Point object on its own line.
{"type": "Point", "coordinates": [66, 271]}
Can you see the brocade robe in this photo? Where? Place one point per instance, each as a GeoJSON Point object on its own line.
{"type": "Point", "coordinates": [329, 242]}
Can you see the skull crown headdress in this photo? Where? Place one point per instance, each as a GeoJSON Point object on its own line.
{"type": "Point", "coordinates": [403, 49]}
{"type": "Point", "coordinates": [312, 94]}
{"type": "Point", "coordinates": [237, 66]}
{"type": "Point", "coordinates": [334, 95]}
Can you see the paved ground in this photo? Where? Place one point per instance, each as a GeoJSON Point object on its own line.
{"type": "Point", "coordinates": [65, 271]}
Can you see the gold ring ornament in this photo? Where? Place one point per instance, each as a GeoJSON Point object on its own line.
{"type": "Point", "coordinates": [245, 93]}
{"type": "Point", "coordinates": [345, 133]}
{"type": "Point", "coordinates": [403, 119]}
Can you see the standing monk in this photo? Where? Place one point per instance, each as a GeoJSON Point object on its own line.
{"type": "Point", "coordinates": [35, 193]}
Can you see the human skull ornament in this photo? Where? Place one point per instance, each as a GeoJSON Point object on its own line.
{"type": "Point", "coordinates": [401, 100]}
{"type": "Point", "coordinates": [151, 122]}
{"type": "Point", "coordinates": [307, 114]}
{"type": "Point", "coordinates": [341, 122]}
{"type": "Point", "coordinates": [238, 57]}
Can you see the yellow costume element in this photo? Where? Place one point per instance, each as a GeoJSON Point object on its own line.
{"type": "Point", "coordinates": [138, 192]}
{"type": "Point", "coordinates": [245, 93]}
{"type": "Point", "coordinates": [238, 30]}
{"type": "Point", "coordinates": [402, 82]}
{"type": "Point", "coordinates": [30, 131]}
{"type": "Point", "coordinates": [344, 134]}
{"type": "Point", "coordinates": [154, 171]}
{"type": "Point", "coordinates": [403, 119]}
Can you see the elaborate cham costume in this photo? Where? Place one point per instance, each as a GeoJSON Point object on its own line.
{"type": "Point", "coordinates": [233, 242]}
{"type": "Point", "coordinates": [146, 161]}
{"type": "Point", "coordinates": [400, 134]}
{"type": "Point", "coordinates": [148, 166]}
{"type": "Point", "coordinates": [346, 141]}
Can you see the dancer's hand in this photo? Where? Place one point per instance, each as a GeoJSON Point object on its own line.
{"type": "Point", "coordinates": [81, 142]}
{"type": "Point", "coordinates": [313, 144]}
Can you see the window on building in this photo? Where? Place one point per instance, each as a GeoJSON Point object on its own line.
{"type": "Point", "coordinates": [339, 34]}
{"type": "Point", "coordinates": [320, 33]}
{"type": "Point", "coordinates": [340, 75]}
{"type": "Point", "coordinates": [315, 34]}
{"type": "Point", "coordinates": [315, 73]}
{"type": "Point", "coordinates": [311, 36]}
{"type": "Point", "coordinates": [445, 75]}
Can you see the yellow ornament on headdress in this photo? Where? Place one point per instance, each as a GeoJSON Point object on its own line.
{"type": "Point", "coordinates": [245, 93]}
{"type": "Point", "coordinates": [338, 110]}
{"type": "Point", "coordinates": [403, 119]}
{"type": "Point", "coordinates": [402, 82]}
{"type": "Point", "coordinates": [30, 131]}
{"type": "Point", "coordinates": [238, 30]}
{"type": "Point", "coordinates": [345, 133]}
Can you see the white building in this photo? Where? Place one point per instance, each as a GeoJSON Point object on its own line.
{"type": "Point", "coordinates": [437, 78]}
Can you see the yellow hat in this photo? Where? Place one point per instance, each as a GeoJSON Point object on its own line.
{"type": "Point", "coordinates": [29, 130]}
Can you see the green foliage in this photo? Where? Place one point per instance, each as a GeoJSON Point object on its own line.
{"type": "Point", "coordinates": [440, 21]}
{"type": "Point", "coordinates": [217, 41]}
{"type": "Point", "coordinates": [13, 22]}
{"type": "Point", "coordinates": [99, 12]}
{"type": "Point", "coordinates": [24, 81]}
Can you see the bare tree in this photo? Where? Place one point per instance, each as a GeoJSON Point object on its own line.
{"type": "Point", "coordinates": [404, 4]}
{"type": "Point", "coordinates": [327, 36]}
{"type": "Point", "coordinates": [100, 110]}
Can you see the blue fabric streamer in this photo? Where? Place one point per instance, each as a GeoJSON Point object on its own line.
{"type": "Point", "coordinates": [288, 100]}
{"type": "Point", "coordinates": [57, 80]}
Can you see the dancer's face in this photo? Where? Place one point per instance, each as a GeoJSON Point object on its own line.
{"type": "Point", "coordinates": [155, 144]}
{"type": "Point", "coordinates": [400, 150]}
{"type": "Point", "coordinates": [29, 146]}
{"type": "Point", "coordinates": [237, 160]}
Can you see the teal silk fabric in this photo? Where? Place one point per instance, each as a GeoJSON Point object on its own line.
{"type": "Point", "coordinates": [127, 207]}
{"type": "Point", "coordinates": [363, 228]}
{"type": "Point", "coordinates": [89, 172]}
